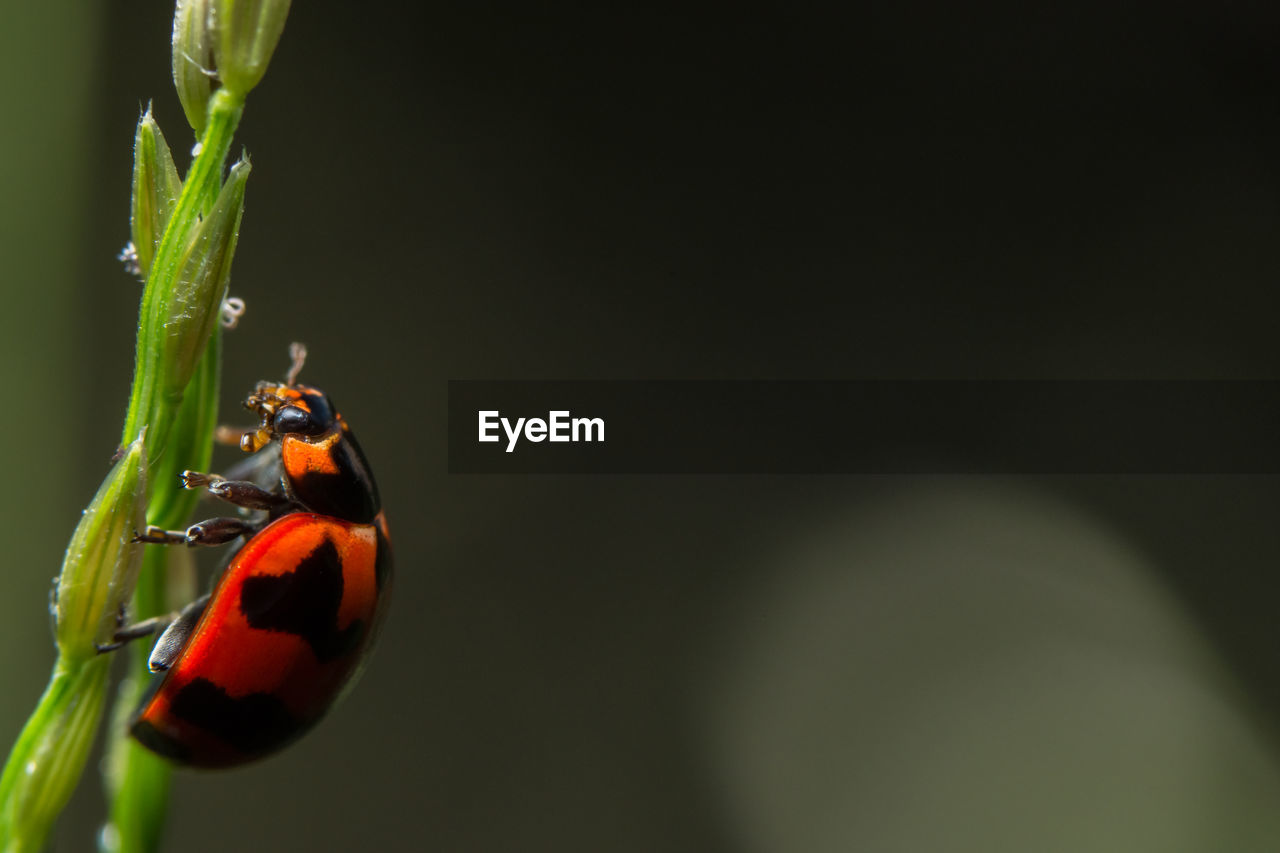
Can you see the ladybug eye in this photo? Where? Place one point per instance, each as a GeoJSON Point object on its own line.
{"type": "Point", "coordinates": [292, 419]}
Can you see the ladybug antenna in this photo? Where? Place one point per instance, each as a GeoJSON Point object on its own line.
{"type": "Point", "coordinates": [298, 353]}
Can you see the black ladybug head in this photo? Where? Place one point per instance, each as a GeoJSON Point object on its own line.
{"type": "Point", "coordinates": [303, 411]}
{"type": "Point", "coordinates": [297, 410]}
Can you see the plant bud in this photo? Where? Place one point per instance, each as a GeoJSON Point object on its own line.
{"type": "Point", "coordinates": [192, 58]}
{"type": "Point", "coordinates": [203, 272]}
{"type": "Point", "coordinates": [102, 560]}
{"type": "Point", "coordinates": [247, 33]}
{"type": "Point", "coordinates": [156, 187]}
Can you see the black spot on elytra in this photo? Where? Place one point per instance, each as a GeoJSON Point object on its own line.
{"type": "Point", "coordinates": [256, 723]}
{"type": "Point", "coordinates": [304, 602]}
{"type": "Point", "coordinates": [160, 743]}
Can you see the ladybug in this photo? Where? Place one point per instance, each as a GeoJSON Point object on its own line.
{"type": "Point", "coordinates": [254, 664]}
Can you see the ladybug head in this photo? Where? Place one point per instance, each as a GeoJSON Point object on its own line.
{"type": "Point", "coordinates": [304, 411]}
{"type": "Point", "coordinates": [290, 409]}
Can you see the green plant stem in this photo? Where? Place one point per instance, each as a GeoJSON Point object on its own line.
{"type": "Point", "coordinates": [57, 738]}
{"type": "Point", "coordinates": [173, 404]}
{"type": "Point", "coordinates": [137, 781]}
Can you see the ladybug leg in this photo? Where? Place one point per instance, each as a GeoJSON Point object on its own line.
{"type": "Point", "coordinates": [132, 632]}
{"type": "Point", "coordinates": [214, 531]}
{"type": "Point", "coordinates": [263, 468]}
{"type": "Point", "coordinates": [233, 436]}
{"type": "Point", "coordinates": [175, 636]}
{"type": "Point", "coordinates": [175, 628]}
{"type": "Point", "coordinates": [242, 493]}
{"type": "Point", "coordinates": [160, 536]}
{"type": "Point", "coordinates": [248, 439]}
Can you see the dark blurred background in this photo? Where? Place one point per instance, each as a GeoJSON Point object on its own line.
{"type": "Point", "coordinates": [506, 191]}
